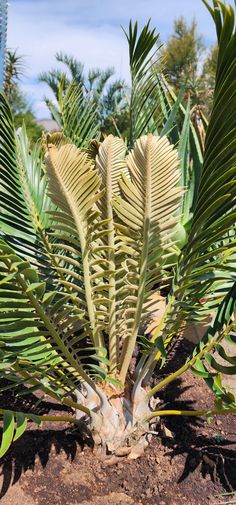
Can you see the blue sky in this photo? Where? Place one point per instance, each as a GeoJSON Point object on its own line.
{"type": "Point", "coordinates": [89, 30]}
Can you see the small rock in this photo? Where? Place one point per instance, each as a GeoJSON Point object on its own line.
{"type": "Point", "coordinates": [166, 432]}
{"type": "Point", "coordinates": [218, 422]}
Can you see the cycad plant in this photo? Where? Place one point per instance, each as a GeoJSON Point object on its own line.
{"type": "Point", "coordinates": [85, 241]}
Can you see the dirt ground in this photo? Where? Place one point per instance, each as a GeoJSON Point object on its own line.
{"type": "Point", "coordinates": [189, 461]}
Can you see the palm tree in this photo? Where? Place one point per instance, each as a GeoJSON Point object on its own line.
{"type": "Point", "coordinates": [14, 70]}
{"type": "Point", "coordinates": [107, 98]}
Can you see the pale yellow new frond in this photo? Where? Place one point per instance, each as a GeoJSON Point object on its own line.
{"type": "Point", "coordinates": [73, 182]}
{"type": "Point", "coordinates": [110, 163]}
{"type": "Point", "coordinates": [147, 208]}
{"type": "Point", "coordinates": [74, 187]}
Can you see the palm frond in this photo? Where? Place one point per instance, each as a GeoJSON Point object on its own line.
{"type": "Point", "coordinates": [144, 83]}
{"type": "Point", "coordinates": [78, 116]}
{"type": "Point", "coordinates": [222, 329]}
{"type": "Point", "coordinates": [54, 111]}
{"type": "Point", "coordinates": [75, 67]}
{"type": "Point", "coordinates": [58, 139]}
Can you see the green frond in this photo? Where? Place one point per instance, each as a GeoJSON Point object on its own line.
{"type": "Point", "coordinates": [78, 116]}
{"type": "Point", "coordinates": [187, 143]}
{"type": "Point", "coordinates": [24, 201]}
{"type": "Point", "coordinates": [54, 79]}
{"type": "Point", "coordinates": [15, 216]}
{"type": "Point", "coordinates": [207, 267]}
{"type": "Point", "coordinates": [14, 426]}
{"type": "Point", "coordinates": [221, 329]}
{"type": "Point", "coordinates": [35, 190]}
{"type": "Point", "coordinates": [54, 111]}
{"type": "Point", "coordinates": [40, 333]}
{"type": "Point", "coordinates": [144, 117]}
{"type": "Point", "coordinates": [213, 360]}
{"type": "Point", "coordinates": [101, 82]}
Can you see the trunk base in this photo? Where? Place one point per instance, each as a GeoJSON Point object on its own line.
{"type": "Point", "coordinates": [120, 429]}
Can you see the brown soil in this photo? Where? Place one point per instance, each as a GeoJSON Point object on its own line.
{"type": "Point", "coordinates": [189, 461]}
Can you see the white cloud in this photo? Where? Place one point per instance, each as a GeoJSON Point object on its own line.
{"type": "Point", "coordinates": [102, 46]}
{"type": "Point", "coordinates": [89, 30]}
{"type": "Point", "coordinates": [39, 37]}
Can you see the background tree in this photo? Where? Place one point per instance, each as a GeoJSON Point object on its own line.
{"type": "Point", "coordinates": [18, 101]}
{"type": "Point", "coordinates": [183, 52]}
{"type": "Point", "coordinates": [14, 71]}
{"type": "Point", "coordinates": [109, 98]}
{"type": "Point", "coordinates": [187, 62]}
{"type": "Point", "coordinates": [209, 73]}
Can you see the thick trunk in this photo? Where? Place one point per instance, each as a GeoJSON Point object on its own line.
{"type": "Point", "coordinates": [120, 425]}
